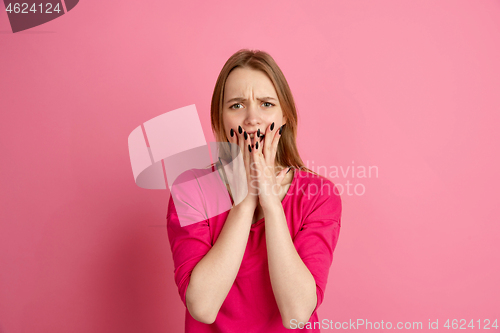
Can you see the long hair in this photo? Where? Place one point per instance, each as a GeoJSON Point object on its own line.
{"type": "Point", "coordinates": [287, 153]}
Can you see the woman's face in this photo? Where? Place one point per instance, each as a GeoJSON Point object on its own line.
{"type": "Point", "coordinates": [250, 101]}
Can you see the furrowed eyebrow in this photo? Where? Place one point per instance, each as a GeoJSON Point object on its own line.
{"type": "Point", "coordinates": [240, 99]}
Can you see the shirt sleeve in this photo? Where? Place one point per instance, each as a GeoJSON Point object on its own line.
{"type": "Point", "coordinates": [318, 236]}
{"type": "Point", "coordinates": [189, 242]}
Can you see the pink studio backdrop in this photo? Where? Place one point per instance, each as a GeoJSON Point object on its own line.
{"type": "Point", "coordinates": [408, 87]}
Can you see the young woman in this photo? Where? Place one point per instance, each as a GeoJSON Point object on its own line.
{"type": "Point", "coordinates": [262, 265]}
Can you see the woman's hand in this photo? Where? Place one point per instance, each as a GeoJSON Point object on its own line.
{"type": "Point", "coordinates": [239, 174]}
{"type": "Point", "coordinates": [264, 178]}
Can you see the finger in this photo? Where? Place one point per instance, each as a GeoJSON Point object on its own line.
{"type": "Point", "coordinates": [237, 149]}
{"type": "Point", "coordinates": [248, 141]}
{"type": "Point", "coordinates": [238, 153]}
{"type": "Point", "coordinates": [275, 141]}
{"type": "Point", "coordinates": [257, 144]}
{"type": "Point", "coordinates": [260, 135]}
{"type": "Point", "coordinates": [233, 147]}
{"type": "Point", "coordinates": [257, 156]}
{"type": "Point", "coordinates": [233, 136]}
{"type": "Point", "coordinates": [258, 162]}
{"type": "Point", "coordinates": [235, 144]}
{"type": "Point", "coordinates": [254, 147]}
{"type": "Point", "coordinates": [271, 144]}
{"type": "Point", "coordinates": [240, 134]}
{"type": "Point", "coordinates": [247, 146]}
{"type": "Point", "coordinates": [267, 141]}
{"type": "Point", "coordinates": [242, 144]}
{"type": "Point", "coordinates": [282, 174]}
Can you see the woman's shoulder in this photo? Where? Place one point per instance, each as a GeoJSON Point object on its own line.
{"type": "Point", "coordinates": [196, 180]}
{"type": "Point", "coordinates": [318, 196]}
{"type": "Point", "coordinates": [308, 176]}
{"type": "Point", "coordinates": [189, 174]}
{"type": "Point", "coordinates": [314, 186]}
{"type": "Point", "coordinates": [198, 183]}
{"type": "Point", "coordinates": [199, 194]}
{"type": "Point", "coordinates": [189, 184]}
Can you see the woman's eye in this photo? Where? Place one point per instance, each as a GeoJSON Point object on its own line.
{"type": "Point", "coordinates": [233, 106]}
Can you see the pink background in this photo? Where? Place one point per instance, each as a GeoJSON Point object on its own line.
{"type": "Point", "coordinates": [409, 87]}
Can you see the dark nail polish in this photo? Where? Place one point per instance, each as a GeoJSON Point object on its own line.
{"type": "Point", "coordinates": [240, 129]}
{"type": "Point", "coordinates": [272, 126]}
{"type": "Point", "coordinates": [249, 148]}
{"type": "Point", "coordinates": [289, 170]}
{"type": "Point", "coordinates": [246, 135]}
{"type": "Point", "coordinates": [258, 132]}
{"type": "Point", "coordinates": [257, 145]}
{"type": "Point", "coordinates": [281, 127]}
{"type": "Point", "coordinates": [232, 132]}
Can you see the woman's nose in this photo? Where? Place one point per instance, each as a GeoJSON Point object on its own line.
{"type": "Point", "coordinates": [253, 114]}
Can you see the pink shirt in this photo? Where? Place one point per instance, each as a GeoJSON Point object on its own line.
{"type": "Point", "coordinates": [312, 208]}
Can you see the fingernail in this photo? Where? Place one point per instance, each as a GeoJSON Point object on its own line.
{"type": "Point", "coordinates": [281, 128]}
{"type": "Point", "coordinates": [288, 170]}
{"type": "Point", "coordinates": [257, 145]}
{"type": "Point", "coordinates": [240, 129]}
{"type": "Point", "coordinates": [246, 135]}
{"type": "Point", "coordinates": [258, 132]}
{"type": "Point", "coordinates": [232, 132]}
{"type": "Point", "coordinates": [272, 126]}
{"type": "Point", "coordinates": [249, 148]}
